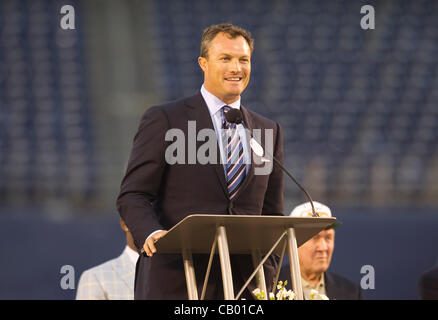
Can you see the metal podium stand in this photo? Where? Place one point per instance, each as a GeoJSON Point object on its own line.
{"type": "Point", "coordinates": [239, 234]}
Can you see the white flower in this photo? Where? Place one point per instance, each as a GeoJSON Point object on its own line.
{"type": "Point", "coordinates": [315, 295]}
{"type": "Point", "coordinates": [259, 294]}
{"type": "Point", "coordinates": [282, 293]}
{"type": "Point", "coordinates": [289, 295]}
{"type": "Point", "coordinates": [324, 297]}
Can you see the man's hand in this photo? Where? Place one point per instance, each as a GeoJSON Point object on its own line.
{"type": "Point", "coordinates": [149, 244]}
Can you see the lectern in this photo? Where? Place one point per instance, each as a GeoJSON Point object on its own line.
{"type": "Point", "coordinates": [240, 234]}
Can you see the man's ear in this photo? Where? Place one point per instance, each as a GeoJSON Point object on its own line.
{"type": "Point", "coordinates": [123, 225]}
{"type": "Point", "coordinates": [202, 63]}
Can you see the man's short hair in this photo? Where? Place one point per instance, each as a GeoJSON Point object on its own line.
{"type": "Point", "coordinates": [231, 30]}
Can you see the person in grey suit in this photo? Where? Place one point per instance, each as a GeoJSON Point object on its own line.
{"type": "Point", "coordinates": [315, 256]}
{"type": "Point", "coordinates": [112, 280]}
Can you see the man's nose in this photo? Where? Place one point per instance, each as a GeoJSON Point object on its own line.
{"type": "Point", "coordinates": [235, 66]}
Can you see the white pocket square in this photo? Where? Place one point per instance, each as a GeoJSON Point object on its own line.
{"type": "Point", "coordinates": [265, 160]}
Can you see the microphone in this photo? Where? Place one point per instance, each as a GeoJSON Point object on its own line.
{"type": "Point", "coordinates": [235, 116]}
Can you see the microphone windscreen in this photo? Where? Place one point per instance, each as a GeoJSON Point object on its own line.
{"type": "Point", "coordinates": [234, 116]}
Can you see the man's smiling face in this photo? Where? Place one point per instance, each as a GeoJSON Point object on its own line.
{"type": "Point", "coordinates": [227, 67]}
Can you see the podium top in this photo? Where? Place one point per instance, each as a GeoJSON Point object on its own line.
{"type": "Point", "coordinates": [244, 232]}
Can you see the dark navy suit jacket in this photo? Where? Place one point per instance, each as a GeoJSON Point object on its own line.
{"type": "Point", "coordinates": [155, 195]}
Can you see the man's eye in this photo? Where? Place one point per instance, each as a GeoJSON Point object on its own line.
{"type": "Point", "coordinates": [225, 58]}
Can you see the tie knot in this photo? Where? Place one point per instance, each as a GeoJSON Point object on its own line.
{"type": "Point", "coordinates": [225, 123]}
{"type": "Point", "coordinates": [226, 108]}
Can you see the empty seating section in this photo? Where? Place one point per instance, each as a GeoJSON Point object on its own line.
{"type": "Point", "coordinates": [360, 108]}
{"type": "Point", "coordinates": [46, 134]}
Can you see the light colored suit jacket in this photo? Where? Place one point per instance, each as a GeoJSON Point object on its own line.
{"type": "Point", "coordinates": [112, 280]}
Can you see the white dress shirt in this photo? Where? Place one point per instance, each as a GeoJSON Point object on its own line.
{"type": "Point", "coordinates": [133, 255]}
{"type": "Point", "coordinates": [307, 287]}
{"type": "Point", "coordinates": [215, 105]}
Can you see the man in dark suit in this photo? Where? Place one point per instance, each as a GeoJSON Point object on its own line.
{"type": "Point", "coordinates": [315, 256]}
{"type": "Point", "coordinates": [160, 189]}
{"type": "Point", "coordinates": [428, 284]}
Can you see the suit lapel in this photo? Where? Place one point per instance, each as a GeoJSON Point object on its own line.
{"type": "Point", "coordinates": [198, 111]}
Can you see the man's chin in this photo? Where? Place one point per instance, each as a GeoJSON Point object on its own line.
{"type": "Point", "coordinates": [232, 96]}
{"type": "Point", "coordinates": [235, 89]}
{"type": "Point", "coordinates": [234, 92]}
{"type": "Point", "coordinates": [322, 267]}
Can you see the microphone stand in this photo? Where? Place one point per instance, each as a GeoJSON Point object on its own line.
{"type": "Point", "coordinates": [235, 116]}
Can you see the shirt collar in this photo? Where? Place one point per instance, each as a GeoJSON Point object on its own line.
{"type": "Point", "coordinates": [214, 104]}
{"type": "Point", "coordinates": [133, 255]}
{"type": "Point", "coordinates": [319, 286]}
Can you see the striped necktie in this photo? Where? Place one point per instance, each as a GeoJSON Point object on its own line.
{"type": "Point", "coordinates": [235, 164]}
